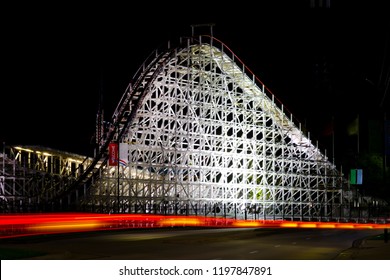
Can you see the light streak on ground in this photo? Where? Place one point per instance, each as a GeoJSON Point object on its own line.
{"type": "Point", "coordinates": [19, 225]}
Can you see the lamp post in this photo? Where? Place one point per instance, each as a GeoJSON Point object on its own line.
{"type": "Point", "coordinates": [118, 183]}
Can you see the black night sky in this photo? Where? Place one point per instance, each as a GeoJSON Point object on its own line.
{"type": "Point", "coordinates": [321, 63]}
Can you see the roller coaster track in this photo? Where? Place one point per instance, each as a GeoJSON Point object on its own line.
{"type": "Point", "coordinates": [203, 47]}
{"type": "Point", "coordinates": [205, 135]}
{"type": "Point", "coordinates": [149, 70]}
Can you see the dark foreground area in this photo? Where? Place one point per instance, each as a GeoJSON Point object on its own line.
{"type": "Point", "coordinates": [201, 244]}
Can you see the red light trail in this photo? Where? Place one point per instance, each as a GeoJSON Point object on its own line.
{"type": "Point", "coordinates": [19, 225]}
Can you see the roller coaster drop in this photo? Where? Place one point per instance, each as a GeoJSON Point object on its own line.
{"type": "Point", "coordinates": [197, 133]}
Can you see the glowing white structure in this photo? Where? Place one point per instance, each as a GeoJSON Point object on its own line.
{"type": "Point", "coordinates": [200, 134]}
{"type": "Point", "coordinates": [35, 178]}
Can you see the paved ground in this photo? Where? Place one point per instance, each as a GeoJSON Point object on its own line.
{"type": "Point", "coordinates": [373, 247]}
{"type": "Point", "coordinates": [370, 248]}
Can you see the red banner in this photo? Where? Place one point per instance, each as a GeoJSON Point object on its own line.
{"type": "Point", "coordinates": [113, 154]}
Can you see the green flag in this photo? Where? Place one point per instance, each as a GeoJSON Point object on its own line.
{"type": "Point", "coordinates": [353, 127]}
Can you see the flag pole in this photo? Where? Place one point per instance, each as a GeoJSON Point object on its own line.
{"type": "Point", "coordinates": [358, 134]}
{"type": "Point", "coordinates": [385, 149]}
{"type": "Point", "coordinates": [333, 139]}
